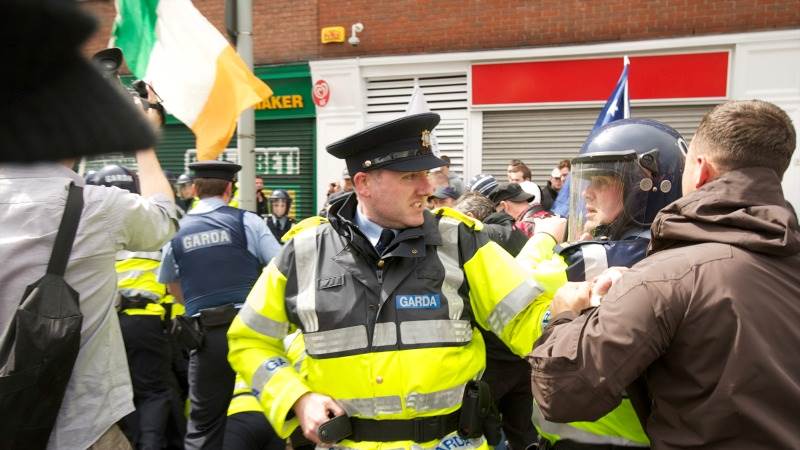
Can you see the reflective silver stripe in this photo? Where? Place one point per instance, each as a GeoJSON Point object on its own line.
{"type": "Point", "coordinates": [261, 324]}
{"type": "Point", "coordinates": [447, 398]}
{"type": "Point", "coordinates": [514, 302]}
{"type": "Point", "coordinates": [435, 332]}
{"type": "Point", "coordinates": [122, 255]}
{"type": "Point", "coordinates": [453, 275]}
{"type": "Point", "coordinates": [334, 341]}
{"type": "Point", "coordinates": [133, 274]}
{"type": "Point", "coordinates": [595, 260]}
{"type": "Point", "coordinates": [566, 431]}
{"type": "Point", "coordinates": [266, 371]}
{"type": "Point", "coordinates": [305, 261]}
{"type": "Point", "coordinates": [372, 407]}
{"type": "Point", "coordinates": [139, 293]}
{"type": "Point", "coordinates": [385, 334]}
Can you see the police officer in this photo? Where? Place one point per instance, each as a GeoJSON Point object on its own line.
{"type": "Point", "coordinates": [386, 294]}
{"type": "Point", "coordinates": [278, 220]}
{"type": "Point", "coordinates": [627, 171]}
{"type": "Point", "coordinates": [211, 264]}
{"type": "Point", "coordinates": [144, 311]}
{"type": "Point", "coordinates": [185, 198]}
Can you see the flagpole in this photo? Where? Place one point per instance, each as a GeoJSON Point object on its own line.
{"type": "Point", "coordinates": [245, 131]}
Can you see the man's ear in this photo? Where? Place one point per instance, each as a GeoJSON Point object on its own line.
{"type": "Point", "coordinates": [361, 184]}
{"type": "Point", "coordinates": [706, 171]}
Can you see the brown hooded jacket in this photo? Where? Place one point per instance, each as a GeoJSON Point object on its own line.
{"type": "Point", "coordinates": [711, 318]}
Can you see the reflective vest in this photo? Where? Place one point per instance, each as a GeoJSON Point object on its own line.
{"type": "Point", "coordinates": [387, 337]}
{"type": "Point", "coordinates": [584, 261]}
{"type": "Point", "coordinates": [137, 279]}
{"type": "Point", "coordinates": [214, 265]}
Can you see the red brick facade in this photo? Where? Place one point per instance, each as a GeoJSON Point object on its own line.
{"type": "Point", "coordinates": [289, 30]}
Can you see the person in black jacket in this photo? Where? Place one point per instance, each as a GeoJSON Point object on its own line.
{"type": "Point", "coordinates": [508, 375]}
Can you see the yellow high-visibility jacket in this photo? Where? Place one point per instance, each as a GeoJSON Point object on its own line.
{"type": "Point", "coordinates": [621, 426]}
{"type": "Point", "coordinates": [388, 337]}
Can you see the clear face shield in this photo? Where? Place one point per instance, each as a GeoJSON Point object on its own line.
{"type": "Point", "coordinates": [608, 195]}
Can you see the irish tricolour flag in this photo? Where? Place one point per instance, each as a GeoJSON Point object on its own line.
{"type": "Point", "coordinates": [198, 75]}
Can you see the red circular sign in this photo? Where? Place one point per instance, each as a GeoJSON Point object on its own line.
{"type": "Point", "coordinates": [321, 93]}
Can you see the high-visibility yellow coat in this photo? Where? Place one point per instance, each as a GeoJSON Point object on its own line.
{"type": "Point", "coordinates": [391, 336]}
{"type": "Point", "coordinates": [619, 427]}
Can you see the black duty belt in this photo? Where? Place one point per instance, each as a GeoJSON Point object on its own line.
{"type": "Point", "coordinates": [217, 316]}
{"type": "Point", "coordinates": [137, 302]}
{"type": "Point", "coordinates": [422, 429]}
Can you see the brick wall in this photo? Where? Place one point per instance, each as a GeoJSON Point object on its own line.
{"type": "Point", "coordinates": [288, 30]}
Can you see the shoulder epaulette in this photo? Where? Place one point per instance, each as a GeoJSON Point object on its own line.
{"type": "Point", "coordinates": [305, 224]}
{"type": "Point", "coordinates": [471, 222]}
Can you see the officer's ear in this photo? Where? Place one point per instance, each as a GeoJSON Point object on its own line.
{"type": "Point", "coordinates": [362, 183]}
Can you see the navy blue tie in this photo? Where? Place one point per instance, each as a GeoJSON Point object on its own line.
{"type": "Point", "coordinates": [386, 238]}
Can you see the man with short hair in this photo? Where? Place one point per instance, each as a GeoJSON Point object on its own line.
{"type": "Point", "coordinates": [386, 294]}
{"type": "Point", "coordinates": [518, 172]}
{"type": "Point", "coordinates": [210, 265]}
{"type": "Point", "coordinates": [453, 180]}
{"type": "Point", "coordinates": [709, 318]}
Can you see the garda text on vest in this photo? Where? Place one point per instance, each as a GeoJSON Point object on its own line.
{"type": "Point", "coordinates": [205, 239]}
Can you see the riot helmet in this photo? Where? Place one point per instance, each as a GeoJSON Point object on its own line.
{"type": "Point", "coordinates": [116, 175]}
{"type": "Point", "coordinates": [275, 197]}
{"type": "Point", "coordinates": [183, 178]}
{"type": "Point", "coordinates": [626, 173]}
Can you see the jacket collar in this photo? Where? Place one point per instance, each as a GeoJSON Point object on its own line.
{"type": "Point", "coordinates": [745, 208]}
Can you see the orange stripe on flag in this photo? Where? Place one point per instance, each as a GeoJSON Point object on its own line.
{"type": "Point", "coordinates": [235, 89]}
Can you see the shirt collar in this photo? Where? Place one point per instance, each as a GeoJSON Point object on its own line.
{"type": "Point", "coordinates": [40, 170]}
{"type": "Point", "coordinates": [207, 204]}
{"type": "Point", "coordinates": [370, 229]}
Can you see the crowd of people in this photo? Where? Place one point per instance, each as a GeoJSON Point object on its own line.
{"type": "Point", "coordinates": [415, 311]}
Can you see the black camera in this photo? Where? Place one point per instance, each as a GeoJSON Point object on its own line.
{"type": "Point", "coordinates": [108, 61]}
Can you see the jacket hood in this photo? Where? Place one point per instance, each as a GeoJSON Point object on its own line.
{"type": "Point", "coordinates": [745, 208]}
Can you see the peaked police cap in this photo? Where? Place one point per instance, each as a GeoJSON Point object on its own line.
{"type": "Point", "coordinates": [403, 145]}
{"type": "Point", "coordinates": [222, 170]}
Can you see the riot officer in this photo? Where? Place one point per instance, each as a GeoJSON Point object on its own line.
{"type": "Point", "coordinates": [386, 294]}
{"type": "Point", "coordinates": [626, 172]}
{"type": "Point", "coordinates": [278, 220]}
{"type": "Point", "coordinates": [144, 313]}
{"type": "Point", "coordinates": [211, 264]}
{"type": "Point", "coordinates": [185, 198]}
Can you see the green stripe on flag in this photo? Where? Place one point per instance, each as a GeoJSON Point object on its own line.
{"type": "Point", "coordinates": [135, 32]}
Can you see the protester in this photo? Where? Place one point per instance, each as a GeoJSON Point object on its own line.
{"type": "Point", "coordinates": [85, 114]}
{"type": "Point", "coordinates": [709, 319]}
{"type": "Point", "coordinates": [507, 374]}
{"type": "Point", "coordinates": [262, 206]}
{"type": "Point", "coordinates": [521, 205]}
{"type": "Point", "coordinates": [518, 172]}
{"type": "Point", "coordinates": [453, 180]}
{"type": "Point", "coordinates": [145, 313]}
{"type": "Point", "coordinates": [443, 196]}
{"type": "Point", "coordinates": [385, 294]}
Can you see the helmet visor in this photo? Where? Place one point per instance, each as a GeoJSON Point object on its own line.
{"type": "Point", "coordinates": [606, 195]}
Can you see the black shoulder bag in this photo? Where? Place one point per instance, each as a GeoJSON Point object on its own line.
{"type": "Point", "coordinates": [39, 348]}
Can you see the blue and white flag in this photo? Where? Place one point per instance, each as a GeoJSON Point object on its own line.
{"type": "Point", "coordinates": [617, 107]}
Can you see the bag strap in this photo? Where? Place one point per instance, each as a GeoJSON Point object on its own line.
{"type": "Point", "coordinates": [66, 231]}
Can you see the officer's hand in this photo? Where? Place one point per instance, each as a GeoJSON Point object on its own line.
{"type": "Point", "coordinates": [603, 282]}
{"type": "Point", "coordinates": [573, 297]}
{"type": "Point", "coordinates": [312, 410]}
{"type": "Point", "coordinates": [554, 226]}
